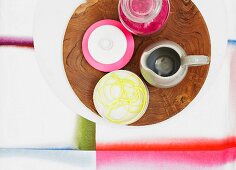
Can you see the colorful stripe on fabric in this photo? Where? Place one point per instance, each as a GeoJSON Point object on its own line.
{"type": "Point", "coordinates": [85, 134]}
{"type": "Point", "coordinates": [17, 41]}
{"type": "Point", "coordinates": [168, 160]}
{"type": "Point", "coordinates": [172, 145]}
{"type": "Point", "coordinates": [232, 42]}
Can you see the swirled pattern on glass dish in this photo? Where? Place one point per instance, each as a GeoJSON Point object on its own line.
{"type": "Point", "coordinates": [121, 97]}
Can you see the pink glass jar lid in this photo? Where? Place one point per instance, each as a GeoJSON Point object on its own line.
{"type": "Point", "coordinates": [107, 45]}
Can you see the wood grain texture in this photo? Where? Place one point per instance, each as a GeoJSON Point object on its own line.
{"type": "Point", "coordinates": [185, 26]}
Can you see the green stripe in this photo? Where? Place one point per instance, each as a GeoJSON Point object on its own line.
{"type": "Point", "coordinates": [85, 137]}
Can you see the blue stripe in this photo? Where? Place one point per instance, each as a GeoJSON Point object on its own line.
{"type": "Point", "coordinates": [232, 42]}
{"type": "Point", "coordinates": [40, 149]}
{"type": "Point", "coordinates": [81, 159]}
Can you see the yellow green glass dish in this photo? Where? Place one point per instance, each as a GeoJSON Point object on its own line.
{"type": "Point", "coordinates": [121, 97]}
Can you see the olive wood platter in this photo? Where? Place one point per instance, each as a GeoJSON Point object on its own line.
{"type": "Point", "coordinates": [185, 26]}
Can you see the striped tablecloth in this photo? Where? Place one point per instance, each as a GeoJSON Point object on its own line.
{"type": "Point", "coordinates": [36, 128]}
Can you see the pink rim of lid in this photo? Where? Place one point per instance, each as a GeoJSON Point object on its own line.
{"type": "Point", "coordinates": [108, 67]}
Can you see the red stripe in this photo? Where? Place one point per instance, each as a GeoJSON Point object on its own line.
{"type": "Point", "coordinates": [172, 145]}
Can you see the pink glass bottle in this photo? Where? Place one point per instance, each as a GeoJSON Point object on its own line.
{"type": "Point", "coordinates": [143, 17]}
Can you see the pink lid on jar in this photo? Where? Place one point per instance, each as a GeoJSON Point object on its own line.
{"type": "Point", "coordinates": [107, 45]}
